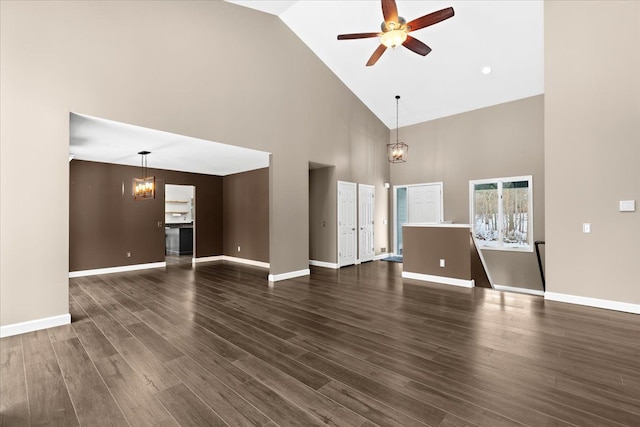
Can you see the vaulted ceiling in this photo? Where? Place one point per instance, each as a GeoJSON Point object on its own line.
{"type": "Point", "coordinates": [506, 36]}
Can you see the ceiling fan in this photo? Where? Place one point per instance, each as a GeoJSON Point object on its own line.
{"type": "Point", "coordinates": [395, 30]}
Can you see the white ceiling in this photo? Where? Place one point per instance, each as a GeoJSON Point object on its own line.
{"type": "Point", "coordinates": [504, 35]}
{"type": "Point", "coordinates": [106, 141]}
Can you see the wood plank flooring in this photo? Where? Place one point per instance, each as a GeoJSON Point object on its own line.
{"type": "Point", "coordinates": [215, 345]}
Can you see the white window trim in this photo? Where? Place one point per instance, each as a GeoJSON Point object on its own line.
{"type": "Point", "coordinates": [472, 184]}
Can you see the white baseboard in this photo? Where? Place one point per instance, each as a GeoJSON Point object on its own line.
{"type": "Point", "coordinates": [289, 275]}
{"type": "Point", "coordinates": [593, 302]}
{"type": "Point", "coordinates": [231, 259]}
{"type": "Point", "coordinates": [34, 325]}
{"type": "Point", "coordinates": [246, 261]}
{"type": "Point", "coordinates": [439, 279]}
{"type": "Point", "coordinates": [323, 264]}
{"type": "Point", "coordinates": [518, 290]}
{"type": "Point", "coordinates": [382, 256]}
{"type": "Point", "coordinates": [120, 269]}
{"type": "Point", "coordinates": [207, 259]}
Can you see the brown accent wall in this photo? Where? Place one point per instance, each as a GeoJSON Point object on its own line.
{"type": "Point", "coordinates": [499, 141]}
{"type": "Point", "coordinates": [424, 247]}
{"type": "Point", "coordinates": [246, 215]}
{"type": "Point", "coordinates": [105, 222]}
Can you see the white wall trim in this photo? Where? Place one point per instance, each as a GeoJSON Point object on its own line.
{"type": "Point", "coordinates": [246, 261]}
{"type": "Point", "coordinates": [289, 275]}
{"type": "Point", "coordinates": [439, 279]}
{"type": "Point", "coordinates": [231, 259]}
{"type": "Point", "coordinates": [382, 256]}
{"type": "Point", "coordinates": [593, 302]}
{"type": "Point", "coordinates": [324, 264]}
{"type": "Point", "coordinates": [34, 325]}
{"type": "Point", "coordinates": [519, 290]}
{"type": "Point", "coordinates": [120, 269]}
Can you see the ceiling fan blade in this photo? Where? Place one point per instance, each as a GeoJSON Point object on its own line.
{"type": "Point", "coordinates": [430, 19]}
{"type": "Point", "coordinates": [389, 11]}
{"type": "Point", "coordinates": [376, 55]}
{"type": "Point", "coordinates": [357, 36]}
{"type": "Point", "coordinates": [416, 45]}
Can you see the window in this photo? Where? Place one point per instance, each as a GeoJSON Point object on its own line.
{"type": "Point", "coordinates": [502, 213]}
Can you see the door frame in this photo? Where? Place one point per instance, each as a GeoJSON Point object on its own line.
{"type": "Point", "coordinates": [193, 215]}
{"type": "Point", "coordinates": [360, 227]}
{"type": "Point", "coordinates": [355, 226]}
{"type": "Point", "coordinates": [394, 231]}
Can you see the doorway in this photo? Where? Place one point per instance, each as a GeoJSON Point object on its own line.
{"type": "Point", "coordinates": [347, 218]}
{"type": "Point", "coordinates": [415, 203]}
{"type": "Point", "coordinates": [179, 220]}
{"type": "Point", "coordinates": [366, 209]}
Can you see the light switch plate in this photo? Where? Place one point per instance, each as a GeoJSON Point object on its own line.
{"type": "Point", "coordinates": [586, 227]}
{"type": "Point", "coordinates": [627, 205]}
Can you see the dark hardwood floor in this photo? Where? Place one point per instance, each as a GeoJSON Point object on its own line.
{"type": "Point", "coordinates": [360, 346]}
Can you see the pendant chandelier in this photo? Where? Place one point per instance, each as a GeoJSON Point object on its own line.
{"type": "Point", "coordinates": [397, 152]}
{"type": "Point", "coordinates": [144, 188]}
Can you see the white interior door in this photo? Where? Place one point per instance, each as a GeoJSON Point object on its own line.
{"type": "Point", "coordinates": [424, 203]}
{"type": "Point", "coordinates": [347, 211]}
{"type": "Point", "coordinates": [416, 203]}
{"type": "Point", "coordinates": [366, 209]}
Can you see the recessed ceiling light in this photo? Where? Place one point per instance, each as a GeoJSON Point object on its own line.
{"type": "Point", "coordinates": [486, 70]}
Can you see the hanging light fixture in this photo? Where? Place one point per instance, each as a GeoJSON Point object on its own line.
{"type": "Point", "coordinates": [144, 188]}
{"type": "Point", "coordinates": [397, 153]}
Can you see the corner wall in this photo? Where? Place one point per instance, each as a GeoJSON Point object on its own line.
{"type": "Point", "coordinates": [323, 211]}
{"type": "Point", "coordinates": [180, 67]}
{"type": "Point", "coordinates": [499, 141]}
{"type": "Point", "coordinates": [592, 149]}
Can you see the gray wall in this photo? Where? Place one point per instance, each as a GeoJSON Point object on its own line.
{"type": "Point", "coordinates": [592, 147]}
{"type": "Point", "coordinates": [174, 66]}
{"type": "Point", "coordinates": [499, 141]}
{"type": "Point", "coordinates": [323, 210]}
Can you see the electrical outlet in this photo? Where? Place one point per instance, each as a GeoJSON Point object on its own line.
{"type": "Point", "coordinates": [627, 205]}
{"type": "Point", "coordinates": [238, 248]}
{"type": "Point", "coordinates": [383, 250]}
{"type": "Point", "coordinates": [441, 262]}
{"type": "Point", "coordinates": [128, 254]}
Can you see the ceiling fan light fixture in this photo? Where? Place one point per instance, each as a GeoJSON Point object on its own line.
{"type": "Point", "coordinates": [393, 38]}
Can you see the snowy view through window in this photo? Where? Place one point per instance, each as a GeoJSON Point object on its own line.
{"type": "Point", "coordinates": [501, 210]}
